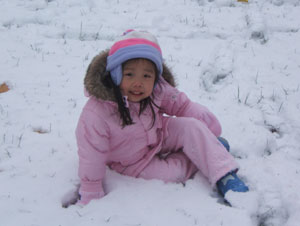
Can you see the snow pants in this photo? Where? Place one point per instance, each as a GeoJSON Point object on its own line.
{"type": "Point", "coordinates": [189, 146]}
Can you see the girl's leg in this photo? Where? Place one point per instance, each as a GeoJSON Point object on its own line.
{"type": "Point", "coordinates": [176, 167]}
{"type": "Point", "coordinates": [200, 146]}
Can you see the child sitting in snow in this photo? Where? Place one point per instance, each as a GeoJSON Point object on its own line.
{"type": "Point", "coordinates": [128, 123]}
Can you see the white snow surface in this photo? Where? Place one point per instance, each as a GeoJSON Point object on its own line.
{"type": "Point", "coordinates": [241, 60]}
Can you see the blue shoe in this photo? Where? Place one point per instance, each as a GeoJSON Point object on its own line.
{"type": "Point", "coordinates": [225, 143]}
{"type": "Point", "coordinates": [231, 182]}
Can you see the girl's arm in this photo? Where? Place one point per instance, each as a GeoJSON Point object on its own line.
{"type": "Point", "coordinates": [93, 146]}
{"type": "Point", "coordinates": [177, 103]}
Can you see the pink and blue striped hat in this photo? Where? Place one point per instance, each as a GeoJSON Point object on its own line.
{"type": "Point", "coordinates": [133, 44]}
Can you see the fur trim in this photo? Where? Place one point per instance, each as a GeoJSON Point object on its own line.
{"type": "Point", "coordinates": [96, 72]}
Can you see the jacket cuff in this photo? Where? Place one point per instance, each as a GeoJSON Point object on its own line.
{"type": "Point", "coordinates": [91, 186]}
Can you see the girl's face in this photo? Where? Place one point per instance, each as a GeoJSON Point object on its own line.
{"type": "Point", "coordinates": [138, 79]}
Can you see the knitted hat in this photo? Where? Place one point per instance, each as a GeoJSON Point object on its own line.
{"type": "Point", "coordinates": [133, 44]}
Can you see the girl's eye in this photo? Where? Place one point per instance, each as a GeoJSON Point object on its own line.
{"type": "Point", "coordinates": [147, 76]}
{"type": "Point", "coordinates": [128, 74]}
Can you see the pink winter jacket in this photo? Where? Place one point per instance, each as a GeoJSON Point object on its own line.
{"type": "Point", "coordinates": [102, 142]}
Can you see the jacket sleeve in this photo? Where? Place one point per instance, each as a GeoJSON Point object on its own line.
{"type": "Point", "coordinates": [176, 103]}
{"type": "Point", "coordinates": [93, 145]}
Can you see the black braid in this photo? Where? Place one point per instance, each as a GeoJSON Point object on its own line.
{"type": "Point", "coordinates": [124, 111]}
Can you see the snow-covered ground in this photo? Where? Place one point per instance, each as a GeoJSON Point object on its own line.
{"type": "Point", "coordinates": [241, 60]}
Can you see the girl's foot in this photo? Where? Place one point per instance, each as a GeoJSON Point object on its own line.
{"type": "Point", "coordinates": [231, 182]}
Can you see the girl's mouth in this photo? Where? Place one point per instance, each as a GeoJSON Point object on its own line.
{"type": "Point", "coordinates": [135, 93]}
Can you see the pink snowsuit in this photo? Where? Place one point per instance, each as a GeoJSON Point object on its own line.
{"type": "Point", "coordinates": [172, 150]}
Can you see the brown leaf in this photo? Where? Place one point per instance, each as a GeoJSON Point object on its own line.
{"type": "Point", "coordinates": [3, 88]}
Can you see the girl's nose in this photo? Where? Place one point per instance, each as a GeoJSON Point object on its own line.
{"type": "Point", "coordinates": [138, 83]}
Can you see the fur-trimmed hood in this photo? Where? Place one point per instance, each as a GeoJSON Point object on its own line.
{"type": "Point", "coordinates": [96, 72]}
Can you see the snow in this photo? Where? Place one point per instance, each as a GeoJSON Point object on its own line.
{"type": "Point", "coordinates": [241, 60]}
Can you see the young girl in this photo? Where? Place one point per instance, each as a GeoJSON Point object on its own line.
{"type": "Point", "coordinates": [138, 124]}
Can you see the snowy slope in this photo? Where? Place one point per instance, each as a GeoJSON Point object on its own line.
{"type": "Point", "coordinates": [240, 60]}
